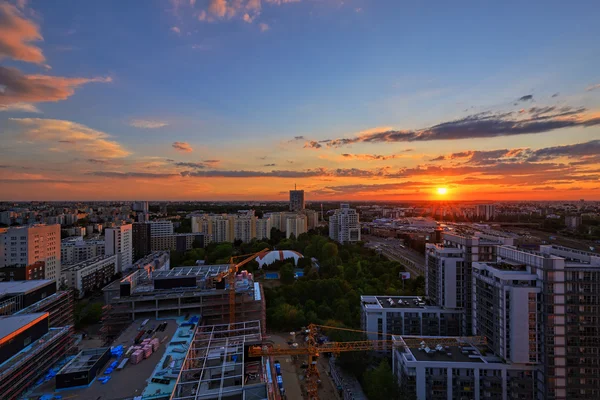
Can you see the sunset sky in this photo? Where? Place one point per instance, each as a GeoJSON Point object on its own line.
{"type": "Point", "coordinates": [350, 100]}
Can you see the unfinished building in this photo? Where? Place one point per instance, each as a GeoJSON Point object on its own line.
{"type": "Point", "coordinates": [217, 365]}
{"type": "Point", "coordinates": [178, 291]}
{"type": "Point", "coordinates": [29, 349]}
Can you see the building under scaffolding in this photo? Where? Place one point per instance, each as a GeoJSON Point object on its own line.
{"type": "Point", "coordinates": [30, 348]}
{"type": "Point", "coordinates": [217, 365]}
{"type": "Point", "coordinates": [176, 292]}
{"type": "Point", "coordinates": [59, 306]}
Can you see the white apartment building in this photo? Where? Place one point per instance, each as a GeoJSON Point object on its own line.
{"type": "Point", "coordinates": [91, 274]}
{"type": "Point", "coordinates": [244, 227]}
{"type": "Point", "coordinates": [312, 218]}
{"type": "Point", "coordinates": [344, 226]}
{"type": "Point", "coordinates": [295, 226]}
{"type": "Point", "coordinates": [160, 228]}
{"type": "Point", "coordinates": [119, 241]}
{"type": "Point", "coordinates": [24, 245]}
{"type": "Point", "coordinates": [75, 250]}
{"type": "Point", "coordinates": [263, 228]}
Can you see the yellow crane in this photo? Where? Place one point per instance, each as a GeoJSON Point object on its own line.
{"type": "Point", "coordinates": [313, 349]}
{"type": "Point", "coordinates": [230, 276]}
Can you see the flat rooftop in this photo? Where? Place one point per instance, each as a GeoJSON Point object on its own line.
{"type": "Point", "coordinates": [13, 323]}
{"type": "Point", "coordinates": [87, 263]}
{"type": "Point", "coordinates": [84, 360]}
{"type": "Point", "coordinates": [395, 302]}
{"type": "Point", "coordinates": [15, 287]}
{"type": "Point", "coordinates": [449, 354]}
{"type": "Point", "coordinates": [201, 272]}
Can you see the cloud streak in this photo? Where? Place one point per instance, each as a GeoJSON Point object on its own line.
{"type": "Point", "coordinates": [147, 124]}
{"type": "Point", "coordinates": [17, 34]}
{"type": "Point", "coordinates": [183, 147]}
{"type": "Point", "coordinates": [21, 88]}
{"type": "Point", "coordinates": [483, 125]}
{"type": "Point", "coordinates": [90, 142]}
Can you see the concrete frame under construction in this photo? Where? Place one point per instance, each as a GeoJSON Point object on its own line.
{"type": "Point", "coordinates": [217, 365]}
{"type": "Point", "coordinates": [210, 299]}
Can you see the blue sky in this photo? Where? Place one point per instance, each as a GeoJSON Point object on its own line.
{"type": "Point", "coordinates": [238, 91]}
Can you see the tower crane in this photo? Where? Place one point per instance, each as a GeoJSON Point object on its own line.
{"type": "Point", "coordinates": [313, 349]}
{"type": "Point", "coordinates": [230, 276]}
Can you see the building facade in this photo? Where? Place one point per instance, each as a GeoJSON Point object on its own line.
{"type": "Point", "coordinates": [296, 200]}
{"type": "Point", "coordinates": [119, 241]}
{"type": "Point", "coordinates": [91, 274]}
{"type": "Point", "coordinates": [344, 225]}
{"type": "Point", "coordinates": [160, 228]}
{"type": "Point", "coordinates": [141, 237]}
{"type": "Point", "coordinates": [26, 245]}
{"type": "Point", "coordinates": [75, 250]}
{"type": "Point", "coordinates": [486, 211]}
{"type": "Point", "coordinates": [263, 228]}
{"type": "Point", "coordinates": [295, 226]}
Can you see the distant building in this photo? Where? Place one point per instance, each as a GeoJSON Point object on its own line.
{"type": "Point", "coordinates": [141, 237]}
{"type": "Point", "coordinates": [181, 242]}
{"type": "Point", "coordinates": [263, 228]}
{"type": "Point", "coordinates": [344, 226]}
{"type": "Point", "coordinates": [486, 211]}
{"type": "Point", "coordinates": [572, 221]}
{"type": "Point", "coordinates": [141, 206]}
{"type": "Point", "coordinates": [75, 250]}
{"type": "Point", "coordinates": [312, 218]}
{"type": "Point", "coordinates": [26, 245]}
{"type": "Point", "coordinates": [295, 226]}
{"type": "Point", "coordinates": [119, 241]}
{"type": "Point", "coordinates": [296, 200]}
{"type": "Point", "coordinates": [161, 228]}
{"type": "Point", "coordinates": [91, 274]}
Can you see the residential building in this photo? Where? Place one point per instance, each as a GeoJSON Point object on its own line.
{"type": "Point", "coordinates": [296, 200]}
{"type": "Point", "coordinates": [312, 218]}
{"type": "Point", "coordinates": [295, 226]}
{"type": "Point", "coordinates": [486, 211]}
{"type": "Point", "coordinates": [244, 227]}
{"type": "Point", "coordinates": [35, 271]}
{"type": "Point", "coordinates": [263, 228]}
{"type": "Point", "coordinates": [91, 274]}
{"type": "Point", "coordinates": [17, 295]}
{"type": "Point", "coordinates": [383, 316]}
{"type": "Point", "coordinates": [75, 250]}
{"type": "Point", "coordinates": [119, 241]}
{"type": "Point", "coordinates": [217, 227]}
{"type": "Point", "coordinates": [141, 206]}
{"type": "Point", "coordinates": [344, 225]}
{"type": "Point", "coordinates": [434, 372]}
{"type": "Point", "coordinates": [572, 221]}
{"type": "Point", "coordinates": [141, 237]}
{"type": "Point", "coordinates": [25, 245]}
{"type": "Point", "coordinates": [181, 242]}
{"type": "Point", "coordinates": [160, 228]}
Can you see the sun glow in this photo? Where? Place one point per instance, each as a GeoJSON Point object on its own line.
{"type": "Point", "coordinates": [442, 191]}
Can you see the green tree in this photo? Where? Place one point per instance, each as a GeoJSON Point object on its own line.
{"type": "Point", "coordinates": [380, 383]}
{"type": "Point", "coordinates": [286, 274]}
{"type": "Point", "coordinates": [329, 251]}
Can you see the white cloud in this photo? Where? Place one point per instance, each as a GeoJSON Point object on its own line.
{"type": "Point", "coordinates": [147, 124]}
{"type": "Point", "coordinates": [20, 107]}
{"type": "Point", "coordinates": [71, 136]}
{"type": "Point", "coordinates": [263, 27]}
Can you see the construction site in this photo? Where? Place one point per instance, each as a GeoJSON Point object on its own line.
{"type": "Point", "coordinates": [173, 293]}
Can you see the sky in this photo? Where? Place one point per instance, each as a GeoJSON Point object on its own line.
{"type": "Point", "coordinates": [348, 100]}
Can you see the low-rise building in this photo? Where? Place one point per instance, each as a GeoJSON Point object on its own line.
{"type": "Point", "coordinates": [178, 241]}
{"type": "Point", "coordinates": [91, 274]}
{"type": "Point", "coordinates": [75, 250]}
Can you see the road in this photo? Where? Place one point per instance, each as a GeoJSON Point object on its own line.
{"type": "Point", "coordinates": [413, 261]}
{"type": "Point", "coordinates": [291, 381]}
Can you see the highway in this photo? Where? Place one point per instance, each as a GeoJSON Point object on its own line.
{"type": "Point", "coordinates": [413, 261]}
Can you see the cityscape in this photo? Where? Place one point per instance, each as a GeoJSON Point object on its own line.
{"type": "Point", "coordinates": [299, 200]}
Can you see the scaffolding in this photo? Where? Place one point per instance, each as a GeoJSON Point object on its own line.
{"type": "Point", "coordinates": [21, 371]}
{"type": "Point", "coordinates": [215, 366]}
{"type": "Point", "coordinates": [59, 306]}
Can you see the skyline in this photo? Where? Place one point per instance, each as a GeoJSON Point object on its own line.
{"type": "Point", "coordinates": [240, 100]}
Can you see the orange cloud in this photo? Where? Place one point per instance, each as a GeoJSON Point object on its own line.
{"type": "Point", "coordinates": [70, 135]}
{"type": "Point", "coordinates": [182, 146]}
{"type": "Point", "coordinates": [19, 88]}
{"type": "Point", "coordinates": [16, 35]}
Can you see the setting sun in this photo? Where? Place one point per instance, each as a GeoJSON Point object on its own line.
{"type": "Point", "coordinates": [442, 190]}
